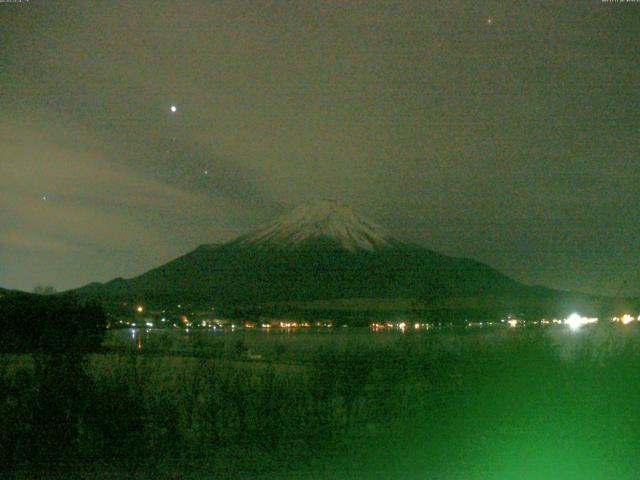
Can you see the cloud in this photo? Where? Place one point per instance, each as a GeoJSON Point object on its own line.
{"type": "Point", "coordinates": [21, 240]}
{"type": "Point", "coordinates": [94, 204]}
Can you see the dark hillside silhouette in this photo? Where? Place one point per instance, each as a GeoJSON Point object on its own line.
{"type": "Point", "coordinates": [49, 324]}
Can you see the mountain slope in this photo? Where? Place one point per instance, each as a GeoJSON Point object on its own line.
{"type": "Point", "coordinates": [320, 251]}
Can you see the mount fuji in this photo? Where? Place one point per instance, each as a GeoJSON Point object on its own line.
{"type": "Point", "coordinates": [322, 252]}
{"type": "Point", "coordinates": [323, 220]}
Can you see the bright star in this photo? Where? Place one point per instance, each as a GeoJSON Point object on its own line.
{"type": "Point", "coordinates": [489, 21]}
{"type": "Point", "coordinates": [206, 172]}
{"type": "Point", "coordinates": [44, 198]}
{"type": "Point", "coordinates": [174, 109]}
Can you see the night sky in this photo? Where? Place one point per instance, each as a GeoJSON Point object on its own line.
{"type": "Point", "coordinates": [503, 131]}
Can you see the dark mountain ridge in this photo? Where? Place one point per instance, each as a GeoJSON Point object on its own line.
{"type": "Point", "coordinates": [324, 251]}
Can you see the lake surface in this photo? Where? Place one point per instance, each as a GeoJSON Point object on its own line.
{"type": "Point", "coordinates": [252, 342]}
{"type": "Point", "coordinates": [278, 344]}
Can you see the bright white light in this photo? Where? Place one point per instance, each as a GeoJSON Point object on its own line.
{"type": "Point", "coordinates": [174, 109]}
{"type": "Point", "coordinates": [626, 319]}
{"type": "Point", "coordinates": [149, 324]}
{"type": "Point", "coordinates": [513, 323]}
{"type": "Point", "coordinates": [139, 309]}
{"type": "Point", "coordinates": [575, 321]}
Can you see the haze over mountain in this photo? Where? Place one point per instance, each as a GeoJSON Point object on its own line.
{"type": "Point", "coordinates": [322, 251]}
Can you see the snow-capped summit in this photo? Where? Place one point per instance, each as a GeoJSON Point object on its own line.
{"type": "Point", "coordinates": [324, 220]}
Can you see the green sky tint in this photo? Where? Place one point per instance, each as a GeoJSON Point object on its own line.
{"type": "Point", "coordinates": [514, 141]}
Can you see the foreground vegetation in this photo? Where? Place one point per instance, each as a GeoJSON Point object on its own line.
{"type": "Point", "coordinates": [499, 404]}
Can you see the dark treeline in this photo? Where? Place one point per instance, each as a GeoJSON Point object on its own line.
{"type": "Point", "coordinates": [50, 324]}
{"type": "Point", "coordinates": [455, 311]}
{"type": "Point", "coordinates": [41, 407]}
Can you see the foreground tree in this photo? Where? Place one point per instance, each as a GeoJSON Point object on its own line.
{"type": "Point", "coordinates": [58, 332]}
{"type": "Point", "coordinates": [50, 324]}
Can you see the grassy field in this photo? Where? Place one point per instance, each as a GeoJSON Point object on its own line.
{"type": "Point", "coordinates": [488, 404]}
